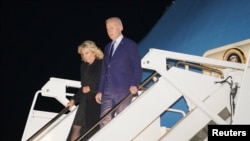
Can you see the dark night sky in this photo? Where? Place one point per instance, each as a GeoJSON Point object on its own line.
{"type": "Point", "coordinates": [39, 40]}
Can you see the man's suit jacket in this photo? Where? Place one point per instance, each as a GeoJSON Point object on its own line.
{"type": "Point", "coordinates": [123, 70]}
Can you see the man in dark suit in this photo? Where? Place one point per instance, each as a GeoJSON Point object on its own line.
{"type": "Point", "coordinates": [121, 70]}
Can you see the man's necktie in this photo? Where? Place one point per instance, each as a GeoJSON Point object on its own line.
{"type": "Point", "coordinates": [111, 50]}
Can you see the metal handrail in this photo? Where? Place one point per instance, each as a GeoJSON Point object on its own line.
{"type": "Point", "coordinates": [201, 67]}
{"type": "Point", "coordinates": [98, 123]}
{"type": "Point", "coordinates": [48, 124]}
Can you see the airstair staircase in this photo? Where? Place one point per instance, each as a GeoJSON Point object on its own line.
{"type": "Point", "coordinates": [208, 97]}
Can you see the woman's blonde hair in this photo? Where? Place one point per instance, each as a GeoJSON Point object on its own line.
{"type": "Point", "coordinates": [90, 45]}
